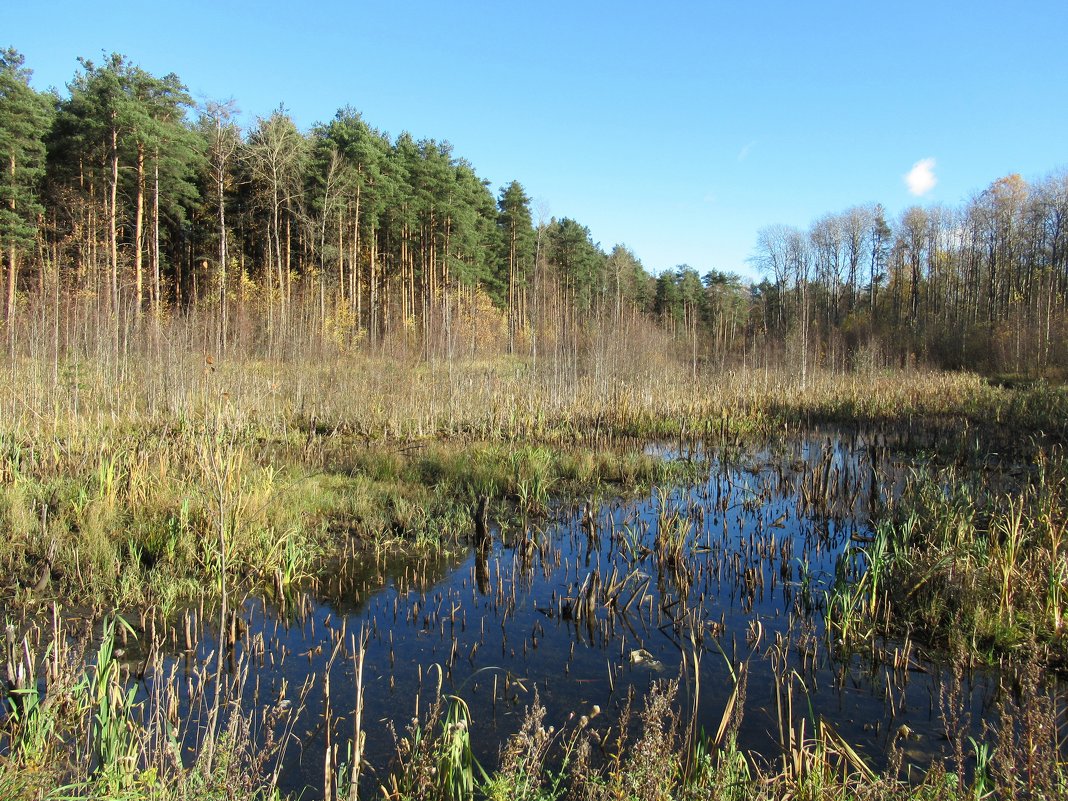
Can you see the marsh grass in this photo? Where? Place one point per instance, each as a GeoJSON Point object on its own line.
{"type": "Point", "coordinates": [109, 494]}
{"type": "Point", "coordinates": [969, 559]}
{"type": "Point", "coordinates": [84, 729]}
{"type": "Point", "coordinates": [650, 755]}
{"type": "Point", "coordinates": [434, 760]}
{"type": "Point", "coordinates": [379, 398]}
{"type": "Point", "coordinates": [156, 518]}
{"type": "Point", "coordinates": [128, 484]}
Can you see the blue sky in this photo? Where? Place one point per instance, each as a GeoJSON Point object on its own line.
{"type": "Point", "coordinates": [676, 128]}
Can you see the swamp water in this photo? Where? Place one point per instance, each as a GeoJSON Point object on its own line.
{"type": "Point", "coordinates": [606, 597]}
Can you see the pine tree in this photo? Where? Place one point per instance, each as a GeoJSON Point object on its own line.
{"type": "Point", "coordinates": [517, 234]}
{"type": "Point", "coordinates": [25, 118]}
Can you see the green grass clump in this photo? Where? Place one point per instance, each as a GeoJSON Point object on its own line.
{"type": "Point", "coordinates": [969, 559]}
{"type": "Point", "coordinates": [113, 519]}
{"type": "Point", "coordinates": [89, 737]}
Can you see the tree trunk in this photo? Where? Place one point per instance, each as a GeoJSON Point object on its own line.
{"type": "Point", "coordinates": [113, 230]}
{"type": "Point", "coordinates": [12, 262]}
{"type": "Point", "coordinates": [277, 246]}
{"type": "Point", "coordinates": [511, 286]}
{"type": "Point", "coordinates": [372, 288]}
{"type": "Point", "coordinates": [289, 260]}
{"type": "Point", "coordinates": [356, 276]}
{"type": "Point", "coordinates": [139, 221]}
{"type": "Point", "coordinates": [156, 300]}
{"type": "Point", "coordinates": [220, 200]}
{"type": "Point", "coordinates": [341, 259]}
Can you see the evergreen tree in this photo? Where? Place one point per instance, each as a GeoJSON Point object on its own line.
{"type": "Point", "coordinates": [667, 301]}
{"type": "Point", "coordinates": [25, 117]}
{"type": "Point", "coordinates": [517, 238]}
{"type": "Point", "coordinates": [578, 263]}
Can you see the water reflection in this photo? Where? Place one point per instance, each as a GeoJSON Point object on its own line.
{"type": "Point", "coordinates": [607, 598]}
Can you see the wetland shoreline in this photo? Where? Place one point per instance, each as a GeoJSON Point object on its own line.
{"type": "Point", "coordinates": [679, 595]}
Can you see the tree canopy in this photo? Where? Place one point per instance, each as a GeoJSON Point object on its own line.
{"type": "Point", "coordinates": [122, 197]}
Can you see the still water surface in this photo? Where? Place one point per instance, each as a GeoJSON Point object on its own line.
{"type": "Point", "coordinates": [583, 610]}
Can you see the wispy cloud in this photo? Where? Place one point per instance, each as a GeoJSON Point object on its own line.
{"type": "Point", "coordinates": [921, 178]}
{"type": "Point", "coordinates": [743, 154]}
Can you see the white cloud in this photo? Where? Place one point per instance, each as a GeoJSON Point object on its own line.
{"type": "Point", "coordinates": [921, 178]}
{"type": "Point", "coordinates": [743, 154]}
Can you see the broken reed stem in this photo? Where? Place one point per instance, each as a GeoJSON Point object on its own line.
{"type": "Point", "coordinates": [357, 736]}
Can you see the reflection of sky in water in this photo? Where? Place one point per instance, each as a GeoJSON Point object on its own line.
{"type": "Point", "coordinates": [758, 561]}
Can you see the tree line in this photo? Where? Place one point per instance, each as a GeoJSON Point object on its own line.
{"type": "Point", "coordinates": [126, 210]}
{"type": "Point", "coordinates": [981, 286]}
{"type": "Point", "coordinates": [125, 205]}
